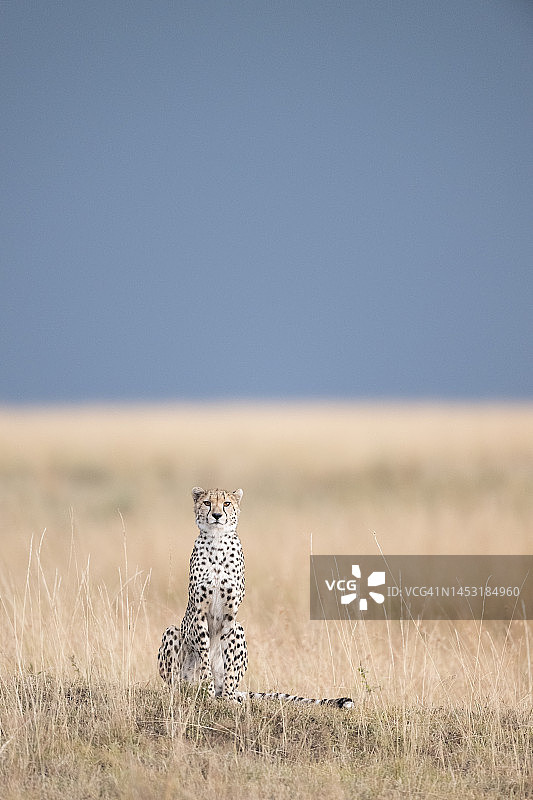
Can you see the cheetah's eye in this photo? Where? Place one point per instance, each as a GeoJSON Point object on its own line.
{"type": "Point", "coordinates": [207, 503]}
{"type": "Point", "coordinates": [226, 504]}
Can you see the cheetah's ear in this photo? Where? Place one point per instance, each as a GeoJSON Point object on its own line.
{"type": "Point", "coordinates": [237, 494]}
{"type": "Point", "coordinates": [197, 492]}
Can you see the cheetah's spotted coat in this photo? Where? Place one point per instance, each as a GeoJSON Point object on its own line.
{"type": "Point", "coordinates": [209, 645]}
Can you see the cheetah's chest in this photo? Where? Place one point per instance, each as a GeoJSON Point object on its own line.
{"type": "Point", "coordinates": [217, 559]}
{"type": "Point", "coordinates": [217, 574]}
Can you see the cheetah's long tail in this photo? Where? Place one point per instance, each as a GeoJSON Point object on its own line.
{"type": "Point", "coordinates": [338, 702]}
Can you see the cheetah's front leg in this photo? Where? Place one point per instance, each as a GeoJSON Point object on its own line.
{"type": "Point", "coordinates": [231, 674]}
{"type": "Point", "coordinates": [203, 645]}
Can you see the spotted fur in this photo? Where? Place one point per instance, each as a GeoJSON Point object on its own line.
{"type": "Point", "coordinates": [209, 646]}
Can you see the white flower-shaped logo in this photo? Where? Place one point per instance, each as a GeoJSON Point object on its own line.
{"type": "Point", "coordinates": [374, 579]}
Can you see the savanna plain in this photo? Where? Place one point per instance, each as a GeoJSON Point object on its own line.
{"type": "Point", "coordinates": [96, 530]}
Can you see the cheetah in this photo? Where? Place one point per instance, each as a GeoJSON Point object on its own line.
{"type": "Point", "coordinates": [209, 646]}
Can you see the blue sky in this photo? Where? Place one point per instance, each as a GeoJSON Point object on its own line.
{"type": "Point", "coordinates": [207, 200]}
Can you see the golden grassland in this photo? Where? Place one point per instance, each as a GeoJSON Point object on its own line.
{"type": "Point", "coordinates": [96, 530]}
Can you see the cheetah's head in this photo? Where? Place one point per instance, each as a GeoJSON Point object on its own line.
{"type": "Point", "coordinates": [216, 509]}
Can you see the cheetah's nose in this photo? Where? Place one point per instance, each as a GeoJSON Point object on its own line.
{"type": "Point", "coordinates": [217, 515]}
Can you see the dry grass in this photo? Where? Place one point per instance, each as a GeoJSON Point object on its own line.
{"type": "Point", "coordinates": [96, 529]}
